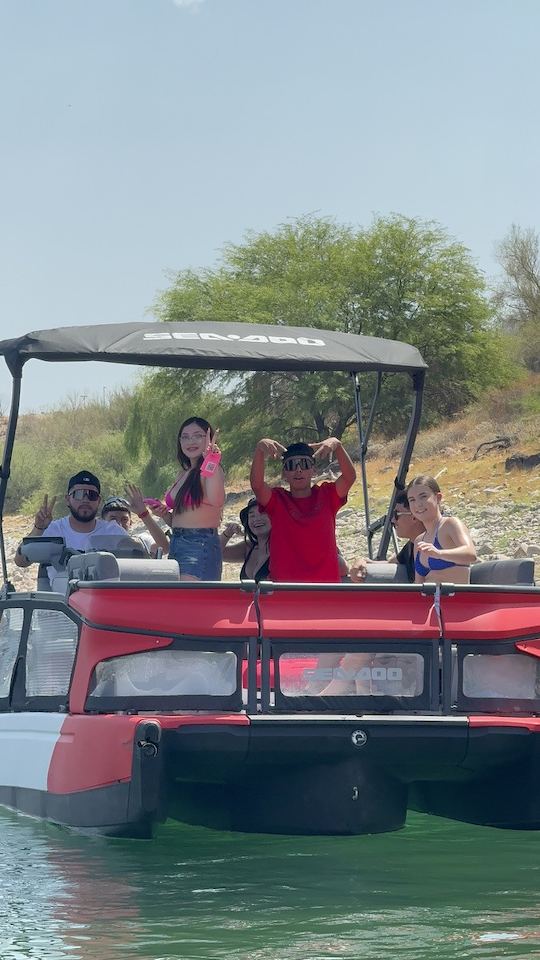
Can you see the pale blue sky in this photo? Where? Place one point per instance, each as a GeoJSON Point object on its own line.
{"type": "Point", "coordinates": [139, 136]}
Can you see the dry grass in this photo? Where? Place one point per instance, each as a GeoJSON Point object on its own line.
{"type": "Point", "coordinates": [481, 481]}
{"type": "Point", "coordinates": [447, 451]}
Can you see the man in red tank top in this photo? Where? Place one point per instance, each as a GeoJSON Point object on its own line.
{"type": "Point", "coordinates": [303, 545]}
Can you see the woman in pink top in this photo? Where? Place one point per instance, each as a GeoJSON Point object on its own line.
{"type": "Point", "coordinates": [195, 501]}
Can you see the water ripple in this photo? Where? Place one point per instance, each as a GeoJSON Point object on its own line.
{"type": "Point", "coordinates": [434, 890]}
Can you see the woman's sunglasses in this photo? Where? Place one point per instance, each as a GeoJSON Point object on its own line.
{"type": "Point", "coordinates": [92, 495]}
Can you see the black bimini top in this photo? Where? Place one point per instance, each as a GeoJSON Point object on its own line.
{"type": "Point", "coordinates": [226, 346]}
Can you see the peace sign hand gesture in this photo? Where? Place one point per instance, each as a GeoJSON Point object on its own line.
{"type": "Point", "coordinates": [211, 442]}
{"type": "Point", "coordinates": [44, 515]}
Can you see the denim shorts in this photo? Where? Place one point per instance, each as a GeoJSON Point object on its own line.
{"type": "Point", "coordinates": [198, 552]}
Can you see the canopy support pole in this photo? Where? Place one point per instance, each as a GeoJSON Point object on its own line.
{"type": "Point", "coordinates": [399, 482]}
{"type": "Point", "coordinates": [363, 436]}
{"type": "Point", "coordinates": [5, 470]}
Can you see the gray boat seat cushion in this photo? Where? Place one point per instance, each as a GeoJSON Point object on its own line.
{"type": "Point", "coordinates": [519, 571]}
{"type": "Point", "coordinates": [43, 582]}
{"type": "Point", "coordinates": [105, 566]}
{"type": "Point", "coordinates": [516, 572]}
{"type": "Point", "coordinates": [123, 546]}
{"type": "Point", "coordinates": [381, 572]}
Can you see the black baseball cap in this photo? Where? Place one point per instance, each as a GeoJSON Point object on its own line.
{"type": "Point", "coordinates": [84, 476]}
{"type": "Point", "coordinates": [298, 450]}
{"type": "Point", "coordinates": [115, 503]}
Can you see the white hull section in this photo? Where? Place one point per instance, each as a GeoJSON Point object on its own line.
{"type": "Point", "coordinates": [27, 742]}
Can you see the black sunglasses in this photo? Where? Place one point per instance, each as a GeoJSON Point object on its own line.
{"type": "Point", "coordinates": [292, 463]}
{"type": "Point", "coordinates": [92, 495]}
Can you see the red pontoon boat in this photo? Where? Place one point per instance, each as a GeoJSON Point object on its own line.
{"type": "Point", "coordinates": [130, 697]}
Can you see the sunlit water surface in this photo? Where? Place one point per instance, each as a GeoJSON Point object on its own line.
{"type": "Point", "coordinates": [433, 890]}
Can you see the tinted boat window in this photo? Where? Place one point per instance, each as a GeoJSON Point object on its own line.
{"type": "Point", "coordinates": [11, 622]}
{"type": "Point", "coordinates": [376, 674]}
{"type": "Point", "coordinates": [506, 676]}
{"type": "Point", "coordinates": [51, 648]}
{"type": "Point", "coordinates": [166, 673]}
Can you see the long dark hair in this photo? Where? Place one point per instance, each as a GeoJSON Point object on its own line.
{"type": "Point", "coordinates": [249, 535]}
{"type": "Point", "coordinates": [244, 520]}
{"type": "Point", "coordinates": [190, 493]}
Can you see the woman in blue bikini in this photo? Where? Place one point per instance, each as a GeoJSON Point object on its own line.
{"type": "Point", "coordinates": [444, 553]}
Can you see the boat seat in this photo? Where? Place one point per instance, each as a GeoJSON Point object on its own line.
{"type": "Point", "coordinates": [45, 551]}
{"type": "Point", "coordinates": [43, 583]}
{"type": "Point", "coordinates": [124, 547]}
{"type": "Point", "coordinates": [386, 573]}
{"type": "Point", "coordinates": [100, 565]}
{"type": "Point", "coordinates": [513, 572]}
{"type": "Point", "coordinates": [518, 571]}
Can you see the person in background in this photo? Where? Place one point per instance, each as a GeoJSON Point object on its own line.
{"type": "Point", "coordinates": [303, 544]}
{"type": "Point", "coordinates": [253, 551]}
{"type": "Point", "coordinates": [443, 553]}
{"type": "Point", "coordinates": [117, 509]}
{"type": "Point", "coordinates": [120, 510]}
{"type": "Point", "coordinates": [407, 528]}
{"type": "Point", "coordinates": [194, 503]}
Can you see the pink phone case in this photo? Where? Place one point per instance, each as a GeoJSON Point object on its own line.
{"type": "Point", "coordinates": [210, 464]}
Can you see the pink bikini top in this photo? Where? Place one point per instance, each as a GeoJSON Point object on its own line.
{"type": "Point", "coordinates": [169, 500]}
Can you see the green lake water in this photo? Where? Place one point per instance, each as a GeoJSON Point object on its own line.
{"type": "Point", "coordinates": [436, 889]}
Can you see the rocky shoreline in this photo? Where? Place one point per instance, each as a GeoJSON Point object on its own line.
{"type": "Point", "coordinates": [499, 531]}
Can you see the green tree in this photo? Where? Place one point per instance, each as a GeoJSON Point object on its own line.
{"type": "Point", "coordinates": [52, 446]}
{"type": "Point", "coordinates": [517, 298]}
{"type": "Point", "coordinates": [161, 403]}
{"type": "Point", "coordinates": [399, 278]}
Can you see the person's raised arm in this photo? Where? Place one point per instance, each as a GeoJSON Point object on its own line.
{"type": "Point", "coordinates": [334, 447]}
{"type": "Point", "coordinates": [265, 448]}
{"type": "Point", "coordinates": [138, 505]}
{"type": "Point", "coordinates": [232, 552]}
{"type": "Point", "coordinates": [42, 520]}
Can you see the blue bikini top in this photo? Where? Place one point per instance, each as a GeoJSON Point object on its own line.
{"type": "Point", "coordinates": [434, 563]}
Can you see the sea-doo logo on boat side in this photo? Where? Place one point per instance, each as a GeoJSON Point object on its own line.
{"type": "Point", "coordinates": [251, 338]}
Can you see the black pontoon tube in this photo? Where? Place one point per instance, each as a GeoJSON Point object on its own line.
{"type": "Point", "coordinates": [6, 461]}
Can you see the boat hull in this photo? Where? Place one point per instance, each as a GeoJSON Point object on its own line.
{"type": "Point", "coordinates": [285, 775]}
{"type": "Point", "coordinates": [135, 703]}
